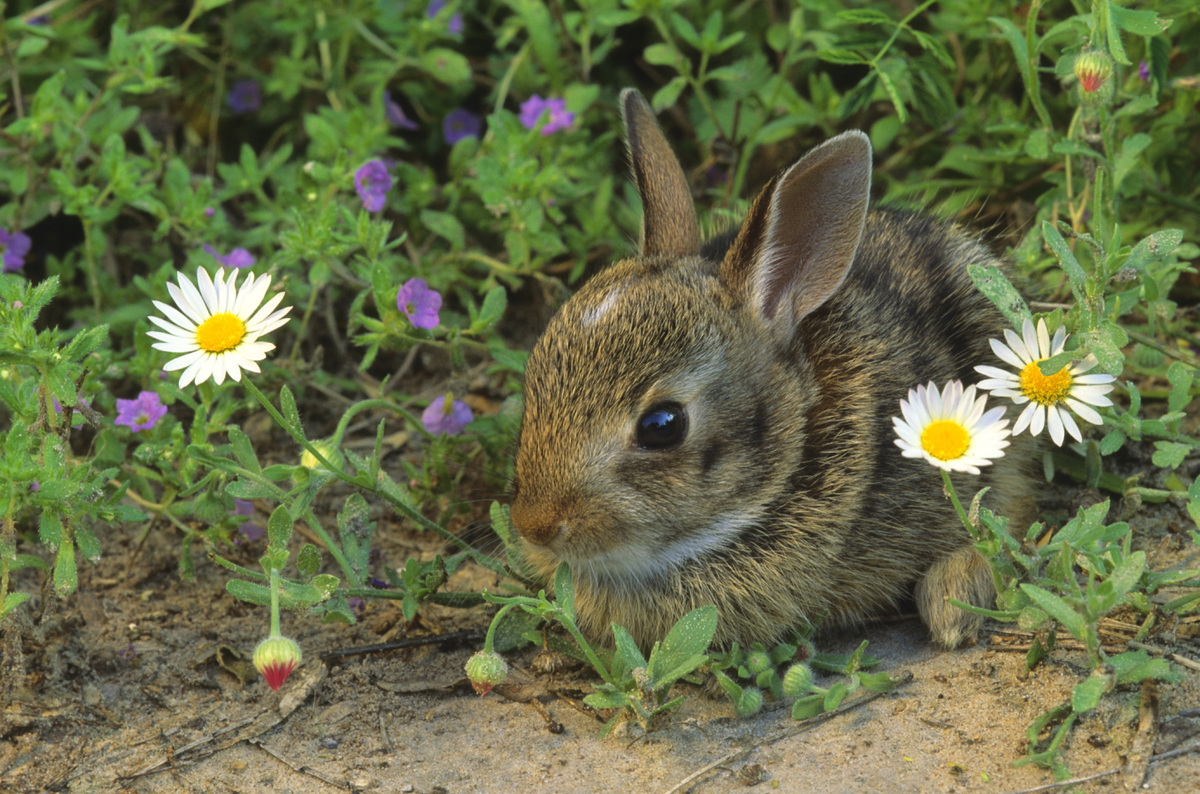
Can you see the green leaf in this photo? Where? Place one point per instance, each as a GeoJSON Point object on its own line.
{"type": "Point", "coordinates": [564, 590]}
{"type": "Point", "coordinates": [627, 650]}
{"type": "Point", "coordinates": [1180, 377]}
{"type": "Point", "coordinates": [687, 639]}
{"type": "Point", "coordinates": [836, 694]}
{"type": "Point", "coordinates": [605, 698]}
{"type": "Point", "coordinates": [660, 54]}
{"type": "Point", "coordinates": [1135, 666]}
{"type": "Point", "coordinates": [243, 450]}
{"type": "Point", "coordinates": [1088, 692]}
{"type": "Point", "coordinates": [89, 547]}
{"type": "Point", "coordinates": [1070, 264]}
{"type": "Point", "coordinates": [1170, 454]}
{"type": "Point", "coordinates": [992, 282]}
{"type": "Point", "coordinates": [12, 601]}
{"type": "Point", "coordinates": [279, 535]}
{"type": "Point", "coordinates": [444, 225]}
{"type": "Point", "coordinates": [1131, 149]}
{"type": "Point", "coordinates": [308, 561]}
{"type": "Point", "coordinates": [1058, 609]}
{"type": "Point", "coordinates": [494, 304]}
{"type": "Point", "coordinates": [809, 706]}
{"type": "Point", "coordinates": [446, 66]}
{"type": "Point", "coordinates": [65, 578]}
{"type": "Point", "coordinates": [668, 95]}
{"type": "Point", "coordinates": [355, 530]}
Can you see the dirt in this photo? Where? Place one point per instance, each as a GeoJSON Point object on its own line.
{"type": "Point", "coordinates": [141, 681]}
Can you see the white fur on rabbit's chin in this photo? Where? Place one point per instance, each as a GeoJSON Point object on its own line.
{"type": "Point", "coordinates": [642, 563]}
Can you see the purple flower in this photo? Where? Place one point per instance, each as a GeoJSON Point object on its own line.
{"type": "Point", "coordinates": [372, 181]}
{"type": "Point", "coordinates": [534, 108]}
{"type": "Point", "coordinates": [249, 531]}
{"type": "Point", "coordinates": [461, 123]}
{"type": "Point", "coordinates": [238, 257]}
{"type": "Point", "coordinates": [142, 413]}
{"type": "Point", "coordinates": [1144, 71]}
{"type": "Point", "coordinates": [395, 114]}
{"type": "Point", "coordinates": [209, 212]}
{"type": "Point", "coordinates": [450, 419]}
{"type": "Point", "coordinates": [419, 303]}
{"type": "Point", "coordinates": [244, 96]}
{"type": "Point", "coordinates": [14, 246]}
{"type": "Point", "coordinates": [129, 654]}
{"type": "Point", "coordinates": [455, 23]}
{"type": "Point", "coordinates": [35, 486]}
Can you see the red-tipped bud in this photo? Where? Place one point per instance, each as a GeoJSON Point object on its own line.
{"type": "Point", "coordinates": [1093, 70]}
{"type": "Point", "coordinates": [486, 669]}
{"type": "Point", "coordinates": [276, 658]}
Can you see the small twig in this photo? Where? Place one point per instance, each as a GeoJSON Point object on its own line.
{"type": "Point", "coordinates": [407, 642]}
{"type": "Point", "coordinates": [173, 757]}
{"type": "Point", "coordinates": [807, 725]}
{"type": "Point", "coordinates": [1137, 763]}
{"type": "Point", "coordinates": [300, 769]}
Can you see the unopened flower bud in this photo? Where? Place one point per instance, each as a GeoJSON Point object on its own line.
{"type": "Point", "coordinates": [1093, 70]}
{"type": "Point", "coordinates": [797, 681]}
{"type": "Point", "coordinates": [750, 703]}
{"type": "Point", "coordinates": [758, 661]}
{"type": "Point", "coordinates": [486, 669]}
{"type": "Point", "coordinates": [276, 658]}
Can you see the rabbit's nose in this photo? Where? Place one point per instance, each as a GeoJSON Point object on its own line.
{"type": "Point", "coordinates": [538, 523]}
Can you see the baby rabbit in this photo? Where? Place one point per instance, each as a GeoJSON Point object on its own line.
{"type": "Point", "coordinates": [711, 423]}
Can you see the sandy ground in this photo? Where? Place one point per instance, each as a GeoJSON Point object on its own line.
{"type": "Point", "coordinates": [133, 684]}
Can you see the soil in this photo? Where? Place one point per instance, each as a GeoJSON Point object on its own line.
{"type": "Point", "coordinates": [141, 682]}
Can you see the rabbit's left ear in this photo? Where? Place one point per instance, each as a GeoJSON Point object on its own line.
{"type": "Point", "coordinates": [800, 237]}
{"type": "Point", "coordinates": [669, 224]}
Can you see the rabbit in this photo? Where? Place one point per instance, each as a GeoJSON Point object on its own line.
{"type": "Point", "coordinates": [711, 423]}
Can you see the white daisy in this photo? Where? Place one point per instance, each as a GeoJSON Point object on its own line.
{"type": "Point", "coordinates": [216, 327]}
{"type": "Point", "coordinates": [1048, 397]}
{"type": "Point", "coordinates": [950, 429]}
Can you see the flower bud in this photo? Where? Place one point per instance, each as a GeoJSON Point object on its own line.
{"type": "Point", "coordinates": [276, 658]}
{"type": "Point", "coordinates": [328, 449]}
{"type": "Point", "coordinates": [797, 681]}
{"type": "Point", "coordinates": [486, 669]}
{"type": "Point", "coordinates": [750, 703]}
{"type": "Point", "coordinates": [758, 661]}
{"type": "Point", "coordinates": [1093, 70]}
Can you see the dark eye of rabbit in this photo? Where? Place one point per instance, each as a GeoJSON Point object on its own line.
{"type": "Point", "coordinates": [662, 427]}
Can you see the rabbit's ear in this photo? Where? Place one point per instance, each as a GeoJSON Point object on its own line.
{"type": "Point", "coordinates": [799, 239]}
{"type": "Point", "coordinates": [669, 225]}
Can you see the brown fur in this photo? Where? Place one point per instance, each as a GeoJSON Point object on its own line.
{"type": "Point", "coordinates": [790, 349]}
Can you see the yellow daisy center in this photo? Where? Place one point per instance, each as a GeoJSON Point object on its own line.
{"type": "Point", "coordinates": [1042, 389]}
{"type": "Point", "coordinates": [220, 332]}
{"type": "Point", "coordinates": [945, 440]}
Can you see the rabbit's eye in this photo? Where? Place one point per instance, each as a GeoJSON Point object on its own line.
{"type": "Point", "coordinates": [662, 427]}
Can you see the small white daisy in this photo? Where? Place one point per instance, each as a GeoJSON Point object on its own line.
{"type": "Point", "coordinates": [1048, 397]}
{"type": "Point", "coordinates": [950, 429]}
{"type": "Point", "coordinates": [216, 327]}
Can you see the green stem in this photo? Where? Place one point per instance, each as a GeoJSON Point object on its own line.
{"type": "Point", "coordinates": [315, 525]}
{"type": "Point", "coordinates": [962, 514]}
{"type": "Point", "coordinates": [275, 604]}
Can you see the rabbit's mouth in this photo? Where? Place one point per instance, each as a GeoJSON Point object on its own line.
{"type": "Point", "coordinates": [640, 561]}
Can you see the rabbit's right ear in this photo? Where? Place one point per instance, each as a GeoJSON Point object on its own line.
{"type": "Point", "coordinates": [669, 224]}
{"type": "Point", "coordinates": [800, 236]}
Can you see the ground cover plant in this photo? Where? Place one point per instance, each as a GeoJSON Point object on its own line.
{"type": "Point", "coordinates": [258, 252]}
